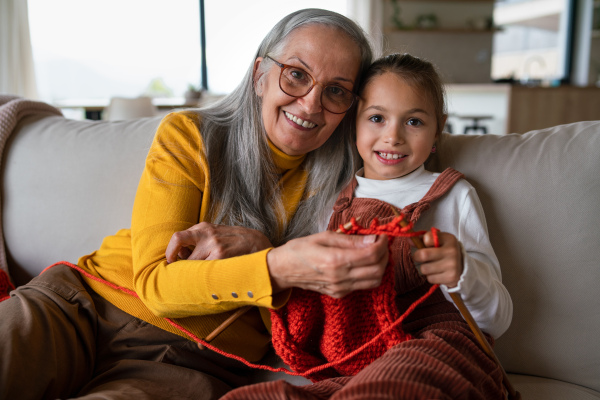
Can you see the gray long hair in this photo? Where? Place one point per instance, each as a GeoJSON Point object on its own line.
{"type": "Point", "coordinates": [244, 187]}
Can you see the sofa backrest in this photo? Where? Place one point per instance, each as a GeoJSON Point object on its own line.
{"type": "Point", "coordinates": [66, 185]}
{"type": "Point", "coordinates": [541, 194]}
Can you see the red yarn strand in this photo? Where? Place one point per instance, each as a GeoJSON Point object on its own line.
{"type": "Point", "coordinates": [374, 339]}
{"type": "Point", "coordinates": [436, 238]}
{"type": "Point", "coordinates": [392, 229]}
{"type": "Point", "coordinates": [5, 285]}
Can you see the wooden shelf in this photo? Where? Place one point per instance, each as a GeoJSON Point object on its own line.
{"type": "Point", "coordinates": [441, 30]}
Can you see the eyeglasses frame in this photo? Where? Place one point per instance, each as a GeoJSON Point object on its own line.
{"type": "Point", "coordinates": [314, 82]}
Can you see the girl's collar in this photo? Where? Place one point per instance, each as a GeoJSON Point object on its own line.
{"type": "Point", "coordinates": [403, 182]}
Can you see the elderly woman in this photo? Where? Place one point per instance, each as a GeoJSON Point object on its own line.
{"type": "Point", "coordinates": [245, 178]}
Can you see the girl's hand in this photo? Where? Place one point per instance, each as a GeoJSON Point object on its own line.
{"type": "Point", "coordinates": [329, 263]}
{"type": "Point", "coordinates": [206, 241]}
{"type": "Point", "coordinates": [440, 265]}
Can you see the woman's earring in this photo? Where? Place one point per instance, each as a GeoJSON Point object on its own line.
{"type": "Point", "coordinates": [433, 149]}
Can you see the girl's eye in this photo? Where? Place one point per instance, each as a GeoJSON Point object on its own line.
{"type": "Point", "coordinates": [376, 118]}
{"type": "Point", "coordinates": [414, 122]}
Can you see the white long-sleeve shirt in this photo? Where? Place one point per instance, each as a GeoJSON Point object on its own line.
{"type": "Point", "coordinates": [460, 213]}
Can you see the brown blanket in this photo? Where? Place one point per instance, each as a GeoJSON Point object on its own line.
{"type": "Point", "coordinates": [12, 110]}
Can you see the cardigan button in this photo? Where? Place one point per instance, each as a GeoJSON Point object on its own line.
{"type": "Point", "coordinates": [250, 294]}
{"type": "Point", "coordinates": [341, 204]}
{"type": "Point", "coordinates": [234, 294]}
{"type": "Point", "coordinates": [214, 296]}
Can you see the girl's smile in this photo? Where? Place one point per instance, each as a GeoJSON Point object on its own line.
{"type": "Point", "coordinates": [390, 158]}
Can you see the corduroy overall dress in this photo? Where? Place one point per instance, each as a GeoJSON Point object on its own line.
{"type": "Point", "coordinates": [431, 355]}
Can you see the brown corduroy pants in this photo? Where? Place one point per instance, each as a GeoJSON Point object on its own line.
{"type": "Point", "coordinates": [428, 367]}
{"type": "Point", "coordinates": [59, 339]}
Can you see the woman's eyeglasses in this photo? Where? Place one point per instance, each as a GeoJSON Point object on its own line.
{"type": "Point", "coordinates": [296, 82]}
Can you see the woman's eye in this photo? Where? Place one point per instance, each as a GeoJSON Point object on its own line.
{"type": "Point", "coordinates": [335, 91]}
{"type": "Point", "coordinates": [298, 74]}
{"type": "Point", "coordinates": [414, 122]}
{"type": "Point", "coordinates": [376, 118]}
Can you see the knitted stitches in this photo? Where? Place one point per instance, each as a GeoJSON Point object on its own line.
{"type": "Point", "coordinates": [315, 330]}
{"type": "Point", "coordinates": [345, 349]}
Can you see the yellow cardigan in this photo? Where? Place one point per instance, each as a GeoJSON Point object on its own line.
{"type": "Point", "coordinates": [174, 194]}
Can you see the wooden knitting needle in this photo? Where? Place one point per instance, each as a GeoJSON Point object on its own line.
{"type": "Point", "coordinates": [464, 311]}
{"type": "Point", "coordinates": [347, 225]}
{"type": "Point", "coordinates": [224, 325]}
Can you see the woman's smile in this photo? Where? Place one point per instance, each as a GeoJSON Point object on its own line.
{"type": "Point", "coordinates": [299, 122]}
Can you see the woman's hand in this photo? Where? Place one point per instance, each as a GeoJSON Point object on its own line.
{"type": "Point", "coordinates": [206, 241]}
{"type": "Point", "coordinates": [441, 265]}
{"type": "Point", "coordinates": [329, 263]}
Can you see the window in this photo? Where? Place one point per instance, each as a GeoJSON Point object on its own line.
{"type": "Point", "coordinates": [533, 44]}
{"type": "Point", "coordinates": [88, 51]}
{"type": "Point", "coordinates": [235, 28]}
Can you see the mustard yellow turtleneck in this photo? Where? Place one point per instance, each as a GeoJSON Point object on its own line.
{"type": "Point", "coordinates": [174, 194]}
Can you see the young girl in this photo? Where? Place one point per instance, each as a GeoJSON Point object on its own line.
{"type": "Point", "coordinates": [352, 346]}
{"type": "Point", "coordinates": [399, 123]}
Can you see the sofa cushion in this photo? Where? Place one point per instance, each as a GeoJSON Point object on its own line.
{"type": "Point", "coordinates": [533, 388]}
{"type": "Point", "coordinates": [540, 193]}
{"type": "Point", "coordinates": [68, 184]}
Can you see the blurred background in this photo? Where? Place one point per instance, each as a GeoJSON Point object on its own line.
{"type": "Point", "coordinates": [500, 59]}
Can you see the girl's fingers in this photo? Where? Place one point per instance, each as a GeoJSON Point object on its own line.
{"type": "Point", "coordinates": [440, 265]}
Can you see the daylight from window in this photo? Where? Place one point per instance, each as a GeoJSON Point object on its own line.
{"type": "Point", "coordinates": [89, 50]}
{"type": "Point", "coordinates": [85, 50]}
{"type": "Point", "coordinates": [532, 42]}
{"type": "Point", "coordinates": [233, 36]}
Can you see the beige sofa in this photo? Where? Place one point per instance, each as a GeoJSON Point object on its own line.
{"type": "Point", "coordinates": [66, 184]}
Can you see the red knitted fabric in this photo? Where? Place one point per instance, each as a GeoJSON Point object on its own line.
{"type": "Point", "coordinates": [5, 285]}
{"type": "Point", "coordinates": [321, 337]}
{"type": "Point", "coordinates": [358, 328]}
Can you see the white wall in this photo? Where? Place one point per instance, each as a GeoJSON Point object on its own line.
{"type": "Point", "coordinates": [478, 100]}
